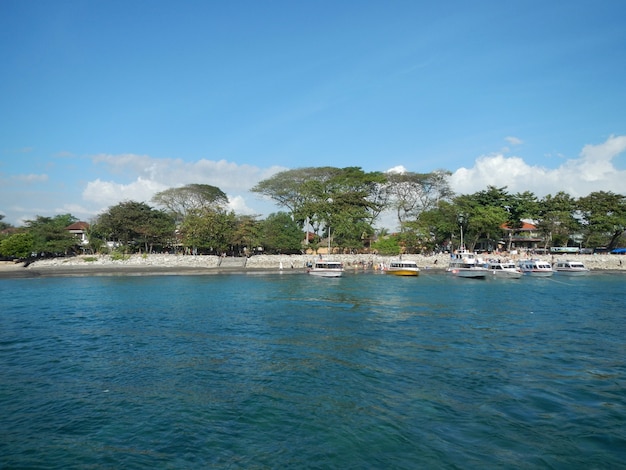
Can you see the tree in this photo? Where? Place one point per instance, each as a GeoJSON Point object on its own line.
{"type": "Point", "coordinates": [180, 201]}
{"type": "Point", "coordinates": [307, 192]}
{"type": "Point", "coordinates": [3, 225]}
{"type": "Point", "coordinates": [387, 246]}
{"type": "Point", "coordinates": [247, 233]}
{"type": "Point", "coordinates": [481, 215]}
{"type": "Point", "coordinates": [50, 234]}
{"type": "Point", "coordinates": [210, 230]}
{"type": "Point", "coordinates": [281, 234]}
{"type": "Point", "coordinates": [437, 227]}
{"type": "Point", "coordinates": [292, 189]}
{"type": "Point", "coordinates": [556, 218]}
{"type": "Point", "coordinates": [132, 222]}
{"type": "Point", "coordinates": [604, 216]}
{"type": "Point", "coordinates": [410, 194]}
{"type": "Point", "coordinates": [18, 245]}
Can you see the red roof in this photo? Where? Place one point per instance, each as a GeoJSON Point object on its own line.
{"type": "Point", "coordinates": [78, 226]}
{"type": "Point", "coordinates": [525, 226]}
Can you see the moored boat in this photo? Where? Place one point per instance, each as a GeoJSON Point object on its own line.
{"type": "Point", "coordinates": [467, 264]}
{"type": "Point", "coordinates": [571, 268]}
{"type": "Point", "coordinates": [504, 269]}
{"type": "Point", "coordinates": [403, 268]}
{"type": "Point", "coordinates": [325, 268]}
{"type": "Point", "coordinates": [536, 268]}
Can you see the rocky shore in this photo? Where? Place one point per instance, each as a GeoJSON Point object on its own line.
{"type": "Point", "coordinates": [156, 264]}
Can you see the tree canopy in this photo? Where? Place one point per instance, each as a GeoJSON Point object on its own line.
{"type": "Point", "coordinates": [192, 197]}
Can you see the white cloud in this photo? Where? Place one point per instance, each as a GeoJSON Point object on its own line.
{"type": "Point", "coordinates": [592, 171]}
{"type": "Point", "coordinates": [151, 175]}
{"type": "Point", "coordinates": [106, 193]}
{"type": "Point", "coordinates": [400, 170]}
{"type": "Point", "coordinates": [31, 178]}
{"type": "Point", "coordinates": [167, 172]}
{"type": "Point", "coordinates": [514, 140]}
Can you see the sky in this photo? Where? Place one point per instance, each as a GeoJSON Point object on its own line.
{"type": "Point", "coordinates": [110, 101]}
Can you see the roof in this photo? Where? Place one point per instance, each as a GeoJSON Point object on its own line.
{"type": "Point", "coordinates": [525, 226]}
{"type": "Point", "coordinates": [78, 226]}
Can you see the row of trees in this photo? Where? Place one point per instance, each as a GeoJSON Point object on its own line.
{"type": "Point", "coordinates": [343, 202]}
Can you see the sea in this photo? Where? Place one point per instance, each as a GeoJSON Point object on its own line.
{"type": "Point", "coordinates": [285, 370]}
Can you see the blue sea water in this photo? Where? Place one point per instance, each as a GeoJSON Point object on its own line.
{"type": "Point", "coordinates": [292, 371]}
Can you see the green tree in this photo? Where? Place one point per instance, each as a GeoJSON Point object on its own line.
{"type": "Point", "coordinates": [281, 234]}
{"type": "Point", "coordinates": [19, 245]}
{"type": "Point", "coordinates": [209, 230]}
{"type": "Point", "coordinates": [50, 234]}
{"type": "Point", "coordinates": [411, 194]}
{"type": "Point", "coordinates": [388, 245]}
{"type": "Point", "coordinates": [3, 225]}
{"type": "Point", "coordinates": [192, 197]}
{"type": "Point", "coordinates": [604, 216]}
{"type": "Point", "coordinates": [556, 219]}
{"type": "Point", "coordinates": [247, 233]}
{"type": "Point", "coordinates": [481, 215]}
{"type": "Point", "coordinates": [132, 223]}
{"type": "Point", "coordinates": [342, 199]}
{"type": "Point", "coordinates": [437, 227]}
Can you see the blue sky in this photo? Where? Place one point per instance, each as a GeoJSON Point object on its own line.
{"type": "Point", "coordinates": [104, 101]}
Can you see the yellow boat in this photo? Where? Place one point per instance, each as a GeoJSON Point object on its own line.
{"type": "Point", "coordinates": [403, 268]}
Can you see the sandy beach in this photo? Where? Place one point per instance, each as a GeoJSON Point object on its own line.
{"type": "Point", "coordinates": [163, 264]}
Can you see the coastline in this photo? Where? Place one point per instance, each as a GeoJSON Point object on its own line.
{"type": "Point", "coordinates": [159, 264]}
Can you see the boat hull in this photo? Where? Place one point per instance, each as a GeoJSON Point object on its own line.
{"type": "Point", "coordinates": [325, 272]}
{"type": "Point", "coordinates": [572, 272]}
{"type": "Point", "coordinates": [539, 273]}
{"type": "Point", "coordinates": [402, 272]}
{"type": "Point", "coordinates": [506, 274]}
{"type": "Point", "coordinates": [476, 273]}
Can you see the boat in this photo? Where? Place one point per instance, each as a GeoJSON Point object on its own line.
{"type": "Point", "coordinates": [571, 268]}
{"type": "Point", "coordinates": [325, 268]}
{"type": "Point", "coordinates": [536, 268]}
{"type": "Point", "coordinates": [467, 264]}
{"type": "Point", "coordinates": [504, 269]}
{"type": "Point", "coordinates": [403, 268]}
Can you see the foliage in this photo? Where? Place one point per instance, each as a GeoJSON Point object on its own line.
{"type": "Point", "coordinates": [209, 230]}
{"type": "Point", "coordinates": [556, 219]}
{"type": "Point", "coordinates": [281, 234]}
{"type": "Point", "coordinates": [19, 245]}
{"type": "Point", "coordinates": [192, 197]}
{"type": "Point", "coordinates": [246, 234]}
{"type": "Point", "coordinates": [3, 225]}
{"type": "Point", "coordinates": [50, 235]}
{"type": "Point", "coordinates": [604, 215]}
{"type": "Point", "coordinates": [342, 199]}
{"type": "Point", "coordinates": [411, 194]}
{"type": "Point", "coordinates": [480, 215]}
{"type": "Point", "coordinates": [387, 246]}
{"type": "Point", "coordinates": [134, 223]}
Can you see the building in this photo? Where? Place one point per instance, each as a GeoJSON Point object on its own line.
{"type": "Point", "coordinates": [79, 230]}
{"type": "Point", "coordinates": [526, 237]}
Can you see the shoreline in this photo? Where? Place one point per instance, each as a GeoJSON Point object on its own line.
{"type": "Point", "coordinates": [159, 264]}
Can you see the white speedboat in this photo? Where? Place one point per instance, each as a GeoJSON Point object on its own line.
{"type": "Point", "coordinates": [504, 269]}
{"type": "Point", "coordinates": [467, 264]}
{"type": "Point", "coordinates": [571, 268]}
{"type": "Point", "coordinates": [325, 268]}
{"type": "Point", "coordinates": [403, 268]}
{"type": "Point", "coordinates": [536, 268]}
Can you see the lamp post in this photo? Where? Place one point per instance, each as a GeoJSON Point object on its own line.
{"type": "Point", "coordinates": [461, 219]}
{"type": "Point", "coordinates": [329, 201]}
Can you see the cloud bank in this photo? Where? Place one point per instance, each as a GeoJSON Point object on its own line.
{"type": "Point", "coordinates": [138, 177]}
{"type": "Point", "coordinates": [593, 170]}
{"type": "Point", "coordinates": [146, 176]}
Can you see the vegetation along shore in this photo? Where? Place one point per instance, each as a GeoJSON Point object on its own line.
{"type": "Point", "coordinates": [327, 210]}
